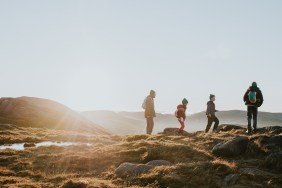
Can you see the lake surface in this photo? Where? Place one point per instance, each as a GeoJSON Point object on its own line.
{"type": "Point", "coordinates": [20, 146]}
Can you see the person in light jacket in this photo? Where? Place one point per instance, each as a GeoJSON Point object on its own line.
{"type": "Point", "coordinates": [150, 113]}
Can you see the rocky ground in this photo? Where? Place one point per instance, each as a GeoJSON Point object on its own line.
{"type": "Point", "coordinates": [228, 158]}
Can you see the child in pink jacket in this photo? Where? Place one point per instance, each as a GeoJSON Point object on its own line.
{"type": "Point", "coordinates": [180, 114]}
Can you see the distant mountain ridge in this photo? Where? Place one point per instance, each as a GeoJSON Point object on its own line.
{"type": "Point", "coordinates": [44, 113]}
{"type": "Point", "coordinates": [134, 122]}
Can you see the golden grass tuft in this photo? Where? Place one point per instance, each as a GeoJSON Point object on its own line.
{"type": "Point", "coordinates": [224, 163]}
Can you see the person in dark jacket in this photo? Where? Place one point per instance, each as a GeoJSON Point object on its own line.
{"type": "Point", "coordinates": [253, 99]}
{"type": "Point", "coordinates": [180, 114]}
{"type": "Point", "coordinates": [150, 111]}
{"type": "Point", "coordinates": [211, 114]}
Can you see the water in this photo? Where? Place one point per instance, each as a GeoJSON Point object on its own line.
{"type": "Point", "coordinates": [13, 146]}
{"type": "Point", "coordinates": [20, 146]}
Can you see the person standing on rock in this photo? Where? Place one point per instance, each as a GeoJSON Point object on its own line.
{"type": "Point", "coordinates": [150, 113]}
{"type": "Point", "coordinates": [180, 114]}
{"type": "Point", "coordinates": [211, 114]}
{"type": "Point", "coordinates": [253, 99]}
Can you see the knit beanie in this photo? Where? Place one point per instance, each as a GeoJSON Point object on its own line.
{"type": "Point", "coordinates": [211, 96]}
{"type": "Point", "coordinates": [184, 101]}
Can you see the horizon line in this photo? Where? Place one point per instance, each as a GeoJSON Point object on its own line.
{"type": "Point", "coordinates": [169, 113]}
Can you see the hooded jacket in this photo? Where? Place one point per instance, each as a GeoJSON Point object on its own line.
{"type": "Point", "coordinates": [211, 108]}
{"type": "Point", "coordinates": [259, 97]}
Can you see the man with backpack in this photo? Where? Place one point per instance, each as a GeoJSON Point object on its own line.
{"type": "Point", "coordinates": [253, 99]}
{"type": "Point", "coordinates": [211, 114]}
{"type": "Point", "coordinates": [180, 114]}
{"type": "Point", "coordinates": [150, 113]}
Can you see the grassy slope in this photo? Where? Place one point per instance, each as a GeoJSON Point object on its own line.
{"type": "Point", "coordinates": [93, 166]}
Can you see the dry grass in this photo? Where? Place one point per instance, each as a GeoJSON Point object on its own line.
{"type": "Point", "coordinates": [93, 166]}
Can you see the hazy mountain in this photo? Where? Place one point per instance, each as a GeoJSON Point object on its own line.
{"type": "Point", "coordinates": [134, 122]}
{"type": "Point", "coordinates": [36, 112]}
{"type": "Point", "coordinates": [118, 122]}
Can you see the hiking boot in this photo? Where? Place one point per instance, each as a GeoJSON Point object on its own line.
{"type": "Point", "coordinates": [180, 132]}
{"type": "Point", "coordinates": [248, 132]}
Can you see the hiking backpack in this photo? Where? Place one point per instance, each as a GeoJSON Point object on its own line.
{"type": "Point", "coordinates": [144, 103]}
{"type": "Point", "coordinates": [252, 97]}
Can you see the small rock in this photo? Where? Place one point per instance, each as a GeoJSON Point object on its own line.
{"type": "Point", "coordinates": [29, 145]}
{"type": "Point", "coordinates": [231, 148]}
{"type": "Point", "coordinates": [231, 179]}
{"type": "Point", "coordinates": [159, 163]}
{"type": "Point", "coordinates": [124, 169]}
{"type": "Point", "coordinates": [130, 169]}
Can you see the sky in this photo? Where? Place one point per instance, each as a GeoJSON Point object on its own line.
{"type": "Point", "coordinates": [108, 55]}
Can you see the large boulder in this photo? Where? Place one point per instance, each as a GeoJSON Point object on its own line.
{"type": "Point", "coordinates": [130, 169]}
{"type": "Point", "coordinates": [231, 148]}
{"type": "Point", "coordinates": [274, 162]}
{"type": "Point", "coordinates": [268, 144]}
{"type": "Point", "coordinates": [227, 127]}
{"type": "Point", "coordinates": [173, 132]}
{"type": "Point", "coordinates": [276, 140]}
{"type": "Point", "coordinates": [270, 129]}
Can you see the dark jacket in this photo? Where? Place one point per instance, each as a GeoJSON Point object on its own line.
{"type": "Point", "coordinates": [150, 107]}
{"type": "Point", "coordinates": [180, 112]}
{"type": "Point", "coordinates": [258, 96]}
{"type": "Point", "coordinates": [211, 108]}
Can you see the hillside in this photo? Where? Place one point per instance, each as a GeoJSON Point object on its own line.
{"type": "Point", "coordinates": [228, 158]}
{"type": "Point", "coordinates": [43, 113]}
{"type": "Point", "coordinates": [134, 122]}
